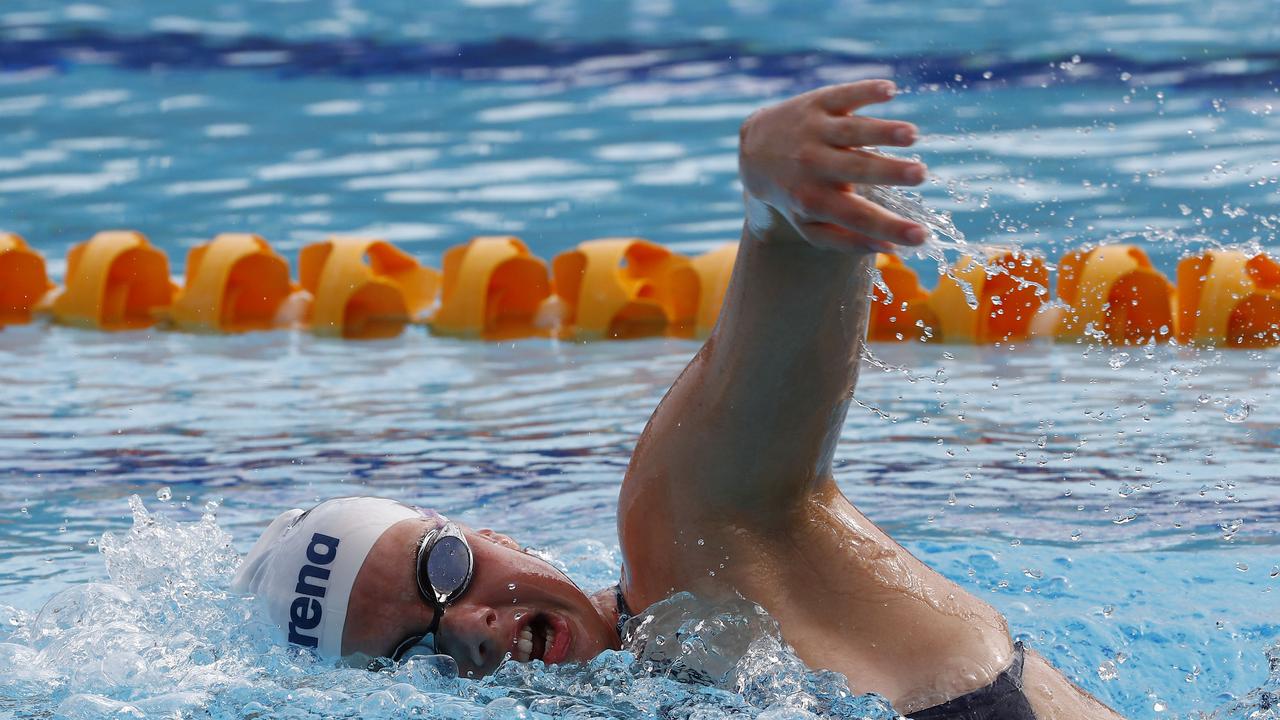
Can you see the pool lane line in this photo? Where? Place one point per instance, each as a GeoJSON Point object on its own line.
{"type": "Point", "coordinates": [625, 61]}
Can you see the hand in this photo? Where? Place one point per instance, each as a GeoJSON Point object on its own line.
{"type": "Point", "coordinates": [802, 160]}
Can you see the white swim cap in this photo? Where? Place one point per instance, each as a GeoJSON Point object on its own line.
{"type": "Point", "coordinates": [305, 564]}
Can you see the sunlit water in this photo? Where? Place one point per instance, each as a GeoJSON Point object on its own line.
{"type": "Point", "coordinates": [1121, 506]}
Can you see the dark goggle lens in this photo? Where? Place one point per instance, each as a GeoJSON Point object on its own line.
{"type": "Point", "coordinates": [449, 566]}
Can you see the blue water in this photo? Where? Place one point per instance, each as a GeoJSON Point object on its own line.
{"type": "Point", "coordinates": [1119, 505]}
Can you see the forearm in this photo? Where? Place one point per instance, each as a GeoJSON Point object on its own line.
{"type": "Point", "coordinates": [758, 412]}
{"type": "Point", "coordinates": [751, 425]}
{"type": "Point", "coordinates": [784, 357]}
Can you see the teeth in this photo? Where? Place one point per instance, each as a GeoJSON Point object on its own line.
{"type": "Point", "coordinates": [550, 640]}
{"type": "Point", "coordinates": [524, 647]}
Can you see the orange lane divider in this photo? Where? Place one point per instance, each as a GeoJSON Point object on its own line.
{"type": "Point", "coordinates": [115, 281]}
{"type": "Point", "coordinates": [1114, 293]}
{"type": "Point", "coordinates": [235, 283]}
{"type": "Point", "coordinates": [625, 288]}
{"type": "Point", "coordinates": [900, 315]}
{"type": "Point", "coordinates": [714, 269]}
{"type": "Point", "coordinates": [364, 288]}
{"type": "Point", "coordinates": [493, 288]}
{"type": "Point", "coordinates": [1010, 289]}
{"type": "Point", "coordinates": [1229, 299]}
{"type": "Point", "coordinates": [23, 280]}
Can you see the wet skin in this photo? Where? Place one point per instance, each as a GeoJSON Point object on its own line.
{"type": "Point", "coordinates": [509, 590]}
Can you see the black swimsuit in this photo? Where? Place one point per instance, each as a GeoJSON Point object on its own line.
{"type": "Point", "coordinates": [1003, 699]}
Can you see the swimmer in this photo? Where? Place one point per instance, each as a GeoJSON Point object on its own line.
{"type": "Point", "coordinates": [729, 491]}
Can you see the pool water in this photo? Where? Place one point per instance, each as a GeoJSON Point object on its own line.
{"type": "Point", "coordinates": [1120, 505]}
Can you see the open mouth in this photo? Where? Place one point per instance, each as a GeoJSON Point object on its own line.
{"type": "Point", "coordinates": [543, 637]}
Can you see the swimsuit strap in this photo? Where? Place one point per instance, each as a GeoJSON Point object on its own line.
{"type": "Point", "coordinates": [624, 612]}
{"type": "Point", "coordinates": [1003, 699]}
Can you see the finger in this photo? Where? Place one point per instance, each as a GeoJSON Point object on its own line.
{"type": "Point", "coordinates": [868, 168]}
{"type": "Point", "coordinates": [844, 99]}
{"type": "Point", "coordinates": [856, 214]}
{"type": "Point", "coordinates": [834, 237]}
{"type": "Point", "coordinates": [852, 131]}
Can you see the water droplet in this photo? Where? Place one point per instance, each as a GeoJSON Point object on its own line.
{"type": "Point", "coordinates": [1236, 410]}
{"type": "Point", "coordinates": [1242, 567]}
{"type": "Point", "coordinates": [1118, 360]}
{"type": "Point", "coordinates": [1107, 671]}
{"type": "Point", "coordinates": [164, 494]}
{"type": "Point", "coordinates": [511, 586]}
{"type": "Point", "coordinates": [701, 542]}
{"type": "Point", "coordinates": [1159, 706]}
{"type": "Point", "coordinates": [1126, 518]}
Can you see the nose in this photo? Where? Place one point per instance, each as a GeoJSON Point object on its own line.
{"type": "Point", "coordinates": [472, 636]}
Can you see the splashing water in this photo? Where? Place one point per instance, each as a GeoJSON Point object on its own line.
{"type": "Point", "coordinates": [943, 233]}
{"type": "Point", "coordinates": [943, 238]}
{"type": "Point", "coordinates": [164, 638]}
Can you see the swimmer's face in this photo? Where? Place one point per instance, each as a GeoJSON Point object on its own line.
{"type": "Point", "coordinates": [510, 591]}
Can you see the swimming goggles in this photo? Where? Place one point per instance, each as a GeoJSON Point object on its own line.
{"type": "Point", "coordinates": [444, 568]}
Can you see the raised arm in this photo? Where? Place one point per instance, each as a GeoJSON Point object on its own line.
{"type": "Point", "coordinates": [749, 428]}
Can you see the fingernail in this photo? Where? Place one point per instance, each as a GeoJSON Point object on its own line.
{"type": "Point", "coordinates": [916, 174]}
{"type": "Point", "coordinates": [915, 235]}
{"type": "Point", "coordinates": [889, 88]}
{"type": "Point", "coordinates": [904, 135]}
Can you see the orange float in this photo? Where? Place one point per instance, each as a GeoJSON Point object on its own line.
{"type": "Point", "coordinates": [714, 269]}
{"type": "Point", "coordinates": [364, 288]}
{"type": "Point", "coordinates": [625, 288]}
{"type": "Point", "coordinates": [235, 283]}
{"type": "Point", "coordinates": [115, 281]}
{"type": "Point", "coordinates": [1227, 298]}
{"type": "Point", "coordinates": [23, 280]}
{"type": "Point", "coordinates": [902, 313]}
{"type": "Point", "coordinates": [1010, 289]}
{"type": "Point", "coordinates": [493, 287]}
{"type": "Point", "coordinates": [1114, 293]}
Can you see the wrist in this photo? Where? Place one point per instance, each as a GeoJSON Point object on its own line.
{"type": "Point", "coordinates": [764, 224]}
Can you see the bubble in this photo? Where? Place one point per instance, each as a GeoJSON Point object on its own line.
{"type": "Point", "coordinates": [164, 494]}
{"type": "Point", "coordinates": [1118, 360]}
{"type": "Point", "coordinates": [1107, 671]}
